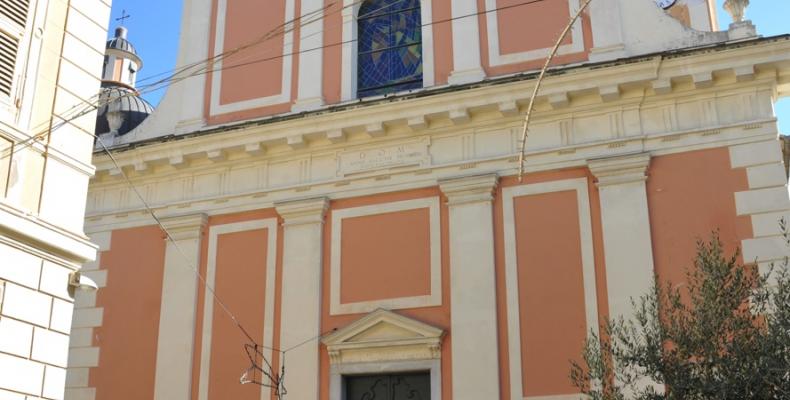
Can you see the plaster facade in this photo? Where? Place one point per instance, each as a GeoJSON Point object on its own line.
{"type": "Point", "coordinates": [391, 234]}
{"type": "Point", "coordinates": [51, 64]}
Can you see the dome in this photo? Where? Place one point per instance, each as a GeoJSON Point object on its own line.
{"type": "Point", "coordinates": [121, 110]}
{"type": "Point", "coordinates": [119, 42]}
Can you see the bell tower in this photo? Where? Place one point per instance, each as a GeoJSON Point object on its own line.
{"type": "Point", "coordinates": [121, 61]}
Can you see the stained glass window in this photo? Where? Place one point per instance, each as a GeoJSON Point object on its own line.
{"type": "Point", "coordinates": [390, 47]}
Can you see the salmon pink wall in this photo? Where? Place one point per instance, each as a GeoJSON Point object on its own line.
{"type": "Point", "coordinates": [256, 71]}
{"type": "Point", "coordinates": [442, 41]}
{"type": "Point", "coordinates": [240, 281]}
{"type": "Point", "coordinates": [131, 304]}
{"type": "Point", "coordinates": [551, 290]}
{"type": "Point", "coordinates": [690, 195]}
{"type": "Point", "coordinates": [333, 36]}
{"type": "Point", "coordinates": [385, 256]}
{"type": "Point", "coordinates": [438, 316]}
{"type": "Point", "coordinates": [246, 22]}
{"type": "Point", "coordinates": [522, 35]}
{"type": "Point", "coordinates": [531, 26]}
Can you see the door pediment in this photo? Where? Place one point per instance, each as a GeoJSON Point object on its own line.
{"type": "Point", "coordinates": [384, 336]}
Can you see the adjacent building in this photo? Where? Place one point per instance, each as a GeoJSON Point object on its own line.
{"type": "Point", "coordinates": [345, 176]}
{"type": "Point", "coordinates": [50, 69]}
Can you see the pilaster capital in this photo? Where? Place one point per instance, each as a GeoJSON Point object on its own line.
{"type": "Point", "coordinates": [304, 211]}
{"type": "Point", "coordinates": [620, 169]}
{"type": "Point", "coordinates": [183, 227]}
{"type": "Point", "coordinates": [469, 189]}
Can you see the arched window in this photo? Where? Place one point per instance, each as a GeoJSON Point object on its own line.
{"type": "Point", "coordinates": [389, 55]}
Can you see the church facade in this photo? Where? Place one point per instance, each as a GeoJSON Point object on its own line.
{"type": "Point", "coordinates": [345, 177]}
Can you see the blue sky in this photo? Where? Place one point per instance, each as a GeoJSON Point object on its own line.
{"type": "Point", "coordinates": [155, 24]}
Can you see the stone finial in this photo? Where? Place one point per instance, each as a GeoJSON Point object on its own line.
{"type": "Point", "coordinates": [739, 28]}
{"type": "Point", "coordinates": [736, 8]}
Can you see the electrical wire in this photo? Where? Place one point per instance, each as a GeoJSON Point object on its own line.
{"type": "Point", "coordinates": [89, 106]}
{"type": "Point", "coordinates": [173, 79]}
{"type": "Point", "coordinates": [538, 82]}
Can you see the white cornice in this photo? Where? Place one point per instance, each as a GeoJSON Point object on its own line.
{"type": "Point", "coordinates": [760, 60]}
{"type": "Point", "coordinates": [112, 213]}
{"type": "Point", "coordinates": [384, 335]}
{"type": "Point", "coordinates": [38, 234]}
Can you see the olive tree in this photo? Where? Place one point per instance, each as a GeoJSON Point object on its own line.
{"type": "Point", "coordinates": [722, 334]}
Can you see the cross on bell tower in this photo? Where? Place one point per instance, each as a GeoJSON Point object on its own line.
{"type": "Point", "coordinates": [124, 16]}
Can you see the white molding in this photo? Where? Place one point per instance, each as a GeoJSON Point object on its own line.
{"type": "Point", "coordinates": [348, 80]}
{"type": "Point", "coordinates": [411, 346]}
{"type": "Point", "coordinates": [765, 202]}
{"type": "Point", "coordinates": [109, 208]}
{"type": "Point", "coordinates": [269, 224]}
{"type": "Point", "coordinates": [475, 364]}
{"type": "Point", "coordinates": [496, 58]}
{"type": "Point", "coordinates": [49, 239]}
{"type": "Point", "coordinates": [467, 64]}
{"type": "Point", "coordinates": [407, 339]}
{"type": "Point", "coordinates": [178, 306]}
{"type": "Point", "coordinates": [310, 77]}
{"type": "Point", "coordinates": [511, 266]}
{"type": "Point", "coordinates": [219, 47]}
{"type": "Point", "coordinates": [433, 299]}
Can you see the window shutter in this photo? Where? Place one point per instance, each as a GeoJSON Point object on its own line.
{"type": "Point", "coordinates": [8, 50]}
{"type": "Point", "coordinates": [15, 10]}
{"type": "Point", "coordinates": [13, 18]}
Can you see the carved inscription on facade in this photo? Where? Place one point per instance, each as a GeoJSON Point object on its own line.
{"type": "Point", "coordinates": [405, 154]}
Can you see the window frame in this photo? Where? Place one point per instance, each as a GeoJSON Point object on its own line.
{"type": "Point", "coordinates": [349, 54]}
{"type": "Point", "coordinates": [391, 84]}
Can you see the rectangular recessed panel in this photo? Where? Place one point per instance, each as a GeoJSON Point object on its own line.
{"type": "Point", "coordinates": [15, 10]}
{"type": "Point", "coordinates": [385, 256]}
{"type": "Point", "coordinates": [553, 326]}
{"type": "Point", "coordinates": [531, 26]}
{"type": "Point", "coordinates": [240, 281]}
{"type": "Point", "coordinates": [8, 50]}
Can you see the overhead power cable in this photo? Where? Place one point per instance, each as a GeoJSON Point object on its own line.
{"type": "Point", "coordinates": [204, 69]}
{"type": "Point", "coordinates": [252, 347]}
{"type": "Point", "coordinates": [89, 105]}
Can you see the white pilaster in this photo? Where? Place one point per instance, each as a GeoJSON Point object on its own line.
{"type": "Point", "coordinates": [311, 41]}
{"type": "Point", "coordinates": [177, 313]}
{"type": "Point", "coordinates": [626, 229]}
{"type": "Point", "coordinates": [301, 293]}
{"type": "Point", "coordinates": [607, 31]}
{"type": "Point", "coordinates": [473, 287]}
{"type": "Point", "coordinates": [466, 43]}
